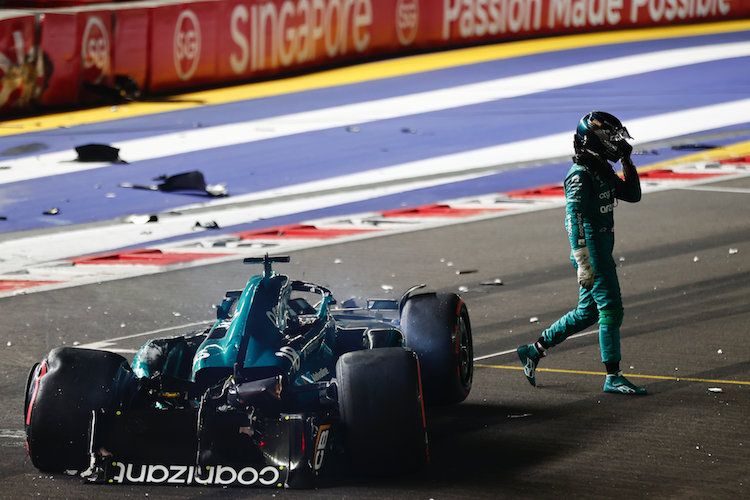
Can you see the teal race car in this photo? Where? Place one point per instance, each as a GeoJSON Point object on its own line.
{"type": "Point", "coordinates": [286, 387]}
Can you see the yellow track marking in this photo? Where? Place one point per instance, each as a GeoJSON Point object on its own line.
{"type": "Point", "coordinates": [630, 375]}
{"type": "Point", "coordinates": [739, 150]}
{"type": "Point", "coordinates": [365, 72]}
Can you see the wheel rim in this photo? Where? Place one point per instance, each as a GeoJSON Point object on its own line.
{"type": "Point", "coordinates": [465, 352]}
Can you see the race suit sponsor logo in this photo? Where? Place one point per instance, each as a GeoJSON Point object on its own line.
{"type": "Point", "coordinates": [573, 191]}
{"type": "Point", "coordinates": [407, 20]}
{"type": "Point", "coordinates": [187, 44]}
{"type": "Point", "coordinates": [95, 51]}
{"type": "Point", "coordinates": [267, 35]}
{"type": "Point", "coordinates": [608, 195]}
{"type": "Point", "coordinates": [219, 475]}
{"type": "Point", "coordinates": [320, 446]}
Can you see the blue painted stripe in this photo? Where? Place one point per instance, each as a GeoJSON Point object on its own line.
{"type": "Point", "coordinates": [246, 168]}
{"type": "Point", "coordinates": [167, 122]}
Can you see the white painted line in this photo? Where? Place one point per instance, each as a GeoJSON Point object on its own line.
{"type": "Point", "coordinates": [513, 351]}
{"type": "Point", "coordinates": [494, 355]}
{"type": "Point", "coordinates": [35, 250]}
{"type": "Point", "coordinates": [64, 275]}
{"type": "Point", "coordinates": [105, 344]}
{"type": "Point", "coordinates": [716, 189]}
{"type": "Point", "coordinates": [13, 434]}
{"type": "Point", "coordinates": [406, 177]}
{"type": "Point", "coordinates": [465, 95]}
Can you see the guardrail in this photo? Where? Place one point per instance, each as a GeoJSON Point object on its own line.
{"type": "Point", "coordinates": [92, 53]}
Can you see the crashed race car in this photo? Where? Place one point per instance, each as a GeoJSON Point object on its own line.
{"type": "Point", "coordinates": [283, 384]}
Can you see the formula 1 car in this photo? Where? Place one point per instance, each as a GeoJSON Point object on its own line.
{"type": "Point", "coordinates": [285, 381]}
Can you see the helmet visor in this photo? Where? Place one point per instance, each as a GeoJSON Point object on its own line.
{"type": "Point", "coordinates": [619, 134]}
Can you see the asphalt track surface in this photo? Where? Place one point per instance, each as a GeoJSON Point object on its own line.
{"type": "Point", "coordinates": [684, 257]}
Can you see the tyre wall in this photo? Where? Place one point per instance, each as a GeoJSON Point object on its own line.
{"type": "Point", "coordinates": [71, 55]}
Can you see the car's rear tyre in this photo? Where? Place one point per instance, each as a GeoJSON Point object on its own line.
{"type": "Point", "coordinates": [436, 326]}
{"type": "Point", "coordinates": [61, 394]}
{"type": "Point", "coordinates": [381, 411]}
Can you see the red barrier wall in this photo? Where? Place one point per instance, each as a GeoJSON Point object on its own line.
{"type": "Point", "coordinates": [265, 38]}
{"type": "Point", "coordinates": [49, 4]}
{"type": "Point", "coordinates": [62, 50]}
{"type": "Point", "coordinates": [174, 45]}
{"type": "Point", "coordinates": [183, 45]}
{"type": "Point", "coordinates": [130, 47]}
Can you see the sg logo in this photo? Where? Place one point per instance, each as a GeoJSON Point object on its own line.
{"type": "Point", "coordinates": [187, 44]}
{"type": "Point", "coordinates": [95, 51]}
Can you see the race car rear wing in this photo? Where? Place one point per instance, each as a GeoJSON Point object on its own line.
{"type": "Point", "coordinates": [266, 261]}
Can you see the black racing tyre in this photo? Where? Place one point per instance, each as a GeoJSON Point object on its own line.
{"type": "Point", "coordinates": [381, 411]}
{"type": "Point", "coordinates": [436, 326]}
{"type": "Point", "coordinates": [61, 394]}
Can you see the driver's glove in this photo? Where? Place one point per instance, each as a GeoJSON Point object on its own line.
{"type": "Point", "coordinates": [585, 271]}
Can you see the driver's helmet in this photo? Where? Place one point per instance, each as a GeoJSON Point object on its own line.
{"type": "Point", "coordinates": [602, 135]}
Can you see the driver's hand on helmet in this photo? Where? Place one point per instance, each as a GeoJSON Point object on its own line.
{"type": "Point", "coordinates": [625, 150]}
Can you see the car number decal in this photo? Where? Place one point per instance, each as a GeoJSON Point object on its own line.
{"type": "Point", "coordinates": [320, 446]}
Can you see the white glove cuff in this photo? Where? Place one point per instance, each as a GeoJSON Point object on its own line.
{"type": "Point", "coordinates": [582, 257]}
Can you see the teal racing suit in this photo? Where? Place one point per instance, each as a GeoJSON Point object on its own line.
{"type": "Point", "coordinates": [591, 195]}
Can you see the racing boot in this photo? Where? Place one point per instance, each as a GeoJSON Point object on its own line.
{"type": "Point", "coordinates": [617, 383]}
{"type": "Point", "coordinates": [530, 356]}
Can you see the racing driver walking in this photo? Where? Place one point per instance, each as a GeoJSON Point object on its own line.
{"type": "Point", "coordinates": [592, 189]}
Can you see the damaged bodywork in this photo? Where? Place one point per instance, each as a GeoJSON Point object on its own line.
{"type": "Point", "coordinates": [285, 387]}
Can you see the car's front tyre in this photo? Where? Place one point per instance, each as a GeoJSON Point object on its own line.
{"type": "Point", "coordinates": [437, 327]}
